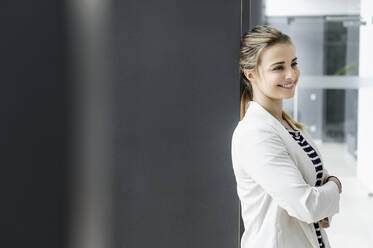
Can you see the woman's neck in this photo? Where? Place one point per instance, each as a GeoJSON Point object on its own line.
{"type": "Point", "coordinates": [274, 107]}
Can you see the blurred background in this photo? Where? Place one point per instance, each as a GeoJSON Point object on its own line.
{"type": "Point", "coordinates": [118, 116]}
{"type": "Point", "coordinates": [334, 98]}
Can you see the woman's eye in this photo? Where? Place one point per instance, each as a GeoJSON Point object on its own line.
{"type": "Point", "coordinates": [281, 67]}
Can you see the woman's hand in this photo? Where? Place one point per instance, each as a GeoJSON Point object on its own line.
{"type": "Point", "coordinates": [324, 223]}
{"type": "Point", "coordinates": [334, 180]}
{"type": "Point", "coordinates": [325, 177]}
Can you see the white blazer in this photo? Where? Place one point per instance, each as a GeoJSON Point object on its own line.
{"type": "Point", "coordinates": [275, 184]}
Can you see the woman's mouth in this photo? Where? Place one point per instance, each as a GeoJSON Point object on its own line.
{"type": "Point", "coordinates": [286, 86]}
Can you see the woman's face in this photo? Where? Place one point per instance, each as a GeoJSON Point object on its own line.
{"type": "Point", "coordinates": [278, 72]}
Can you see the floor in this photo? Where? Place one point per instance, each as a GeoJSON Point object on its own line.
{"type": "Point", "coordinates": [353, 225]}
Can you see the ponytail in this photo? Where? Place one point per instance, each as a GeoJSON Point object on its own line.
{"type": "Point", "coordinates": [246, 94]}
{"type": "Point", "coordinates": [292, 122]}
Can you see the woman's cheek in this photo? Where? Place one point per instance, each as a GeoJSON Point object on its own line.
{"type": "Point", "coordinates": [275, 80]}
{"type": "Point", "coordinates": [298, 72]}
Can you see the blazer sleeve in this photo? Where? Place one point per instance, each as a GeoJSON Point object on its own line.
{"type": "Point", "coordinates": [325, 170]}
{"type": "Point", "coordinates": [323, 178]}
{"type": "Point", "coordinates": [262, 155]}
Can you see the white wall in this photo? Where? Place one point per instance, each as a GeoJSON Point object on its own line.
{"type": "Point", "coordinates": [365, 113]}
{"type": "Point", "coordinates": [311, 7]}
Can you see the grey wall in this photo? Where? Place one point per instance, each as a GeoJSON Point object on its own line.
{"type": "Point", "coordinates": [34, 124]}
{"type": "Point", "coordinates": [252, 14]}
{"type": "Point", "coordinates": [176, 93]}
{"type": "Point", "coordinates": [117, 123]}
{"type": "Point", "coordinates": [90, 62]}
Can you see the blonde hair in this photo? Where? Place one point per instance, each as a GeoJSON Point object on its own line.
{"type": "Point", "coordinates": [252, 44]}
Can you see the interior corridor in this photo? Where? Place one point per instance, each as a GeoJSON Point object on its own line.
{"type": "Point", "coordinates": [352, 226]}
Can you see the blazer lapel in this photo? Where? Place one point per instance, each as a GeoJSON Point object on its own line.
{"type": "Point", "coordinates": [299, 156]}
{"type": "Point", "coordinates": [296, 152]}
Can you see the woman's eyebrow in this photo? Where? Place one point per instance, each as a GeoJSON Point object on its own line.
{"type": "Point", "coordinates": [283, 62]}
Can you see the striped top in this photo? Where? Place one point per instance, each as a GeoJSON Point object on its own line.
{"type": "Point", "coordinates": [312, 154]}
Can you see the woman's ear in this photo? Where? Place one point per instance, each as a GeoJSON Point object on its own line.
{"type": "Point", "coordinates": [250, 75]}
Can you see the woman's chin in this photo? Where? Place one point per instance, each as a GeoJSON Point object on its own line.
{"type": "Point", "coordinates": [289, 95]}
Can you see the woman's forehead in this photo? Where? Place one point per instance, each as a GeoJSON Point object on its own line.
{"type": "Point", "coordinates": [278, 53]}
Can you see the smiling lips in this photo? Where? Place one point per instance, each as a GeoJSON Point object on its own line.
{"type": "Point", "coordinates": [287, 86]}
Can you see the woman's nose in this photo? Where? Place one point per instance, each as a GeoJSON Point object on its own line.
{"type": "Point", "coordinates": [291, 75]}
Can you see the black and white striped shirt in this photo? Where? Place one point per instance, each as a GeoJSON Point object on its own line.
{"type": "Point", "coordinates": [312, 154]}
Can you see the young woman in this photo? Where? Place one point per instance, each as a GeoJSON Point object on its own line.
{"type": "Point", "coordinates": [287, 197]}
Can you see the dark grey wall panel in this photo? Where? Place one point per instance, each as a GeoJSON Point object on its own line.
{"type": "Point", "coordinates": [34, 124]}
{"type": "Point", "coordinates": [176, 99]}
{"type": "Point", "coordinates": [252, 14]}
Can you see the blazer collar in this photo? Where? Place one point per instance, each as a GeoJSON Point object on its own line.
{"type": "Point", "coordinates": [255, 108]}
